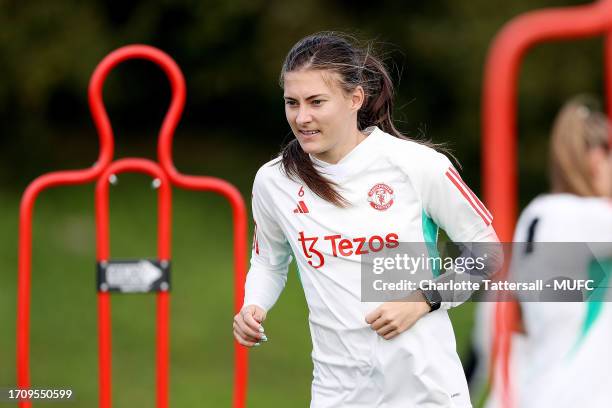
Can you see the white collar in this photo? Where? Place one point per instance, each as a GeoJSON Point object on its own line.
{"type": "Point", "coordinates": [346, 164]}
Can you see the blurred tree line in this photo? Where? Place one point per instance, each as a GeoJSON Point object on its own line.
{"type": "Point", "coordinates": [231, 53]}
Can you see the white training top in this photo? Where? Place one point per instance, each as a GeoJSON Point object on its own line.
{"type": "Point", "coordinates": [399, 191]}
{"type": "Point", "coordinates": [565, 353]}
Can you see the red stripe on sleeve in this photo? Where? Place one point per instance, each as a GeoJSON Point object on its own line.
{"type": "Point", "coordinates": [466, 196]}
{"type": "Point", "coordinates": [474, 196]}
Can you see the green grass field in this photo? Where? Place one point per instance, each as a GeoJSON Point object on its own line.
{"type": "Point", "coordinates": [64, 315]}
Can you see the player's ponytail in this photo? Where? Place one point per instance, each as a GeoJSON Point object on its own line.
{"type": "Point", "coordinates": [578, 128]}
{"type": "Point", "coordinates": [355, 66]}
{"type": "Point", "coordinates": [377, 109]}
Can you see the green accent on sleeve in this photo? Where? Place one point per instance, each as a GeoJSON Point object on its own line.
{"type": "Point", "coordinates": [599, 272]}
{"type": "Point", "coordinates": [430, 234]}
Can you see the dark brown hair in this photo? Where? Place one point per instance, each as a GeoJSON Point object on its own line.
{"type": "Point", "coordinates": [355, 66]}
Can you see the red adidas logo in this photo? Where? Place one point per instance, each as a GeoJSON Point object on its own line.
{"type": "Point", "coordinates": [301, 208]}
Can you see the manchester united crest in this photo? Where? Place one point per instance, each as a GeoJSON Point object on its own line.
{"type": "Point", "coordinates": [381, 197]}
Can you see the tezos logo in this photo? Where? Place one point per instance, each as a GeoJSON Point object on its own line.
{"type": "Point", "coordinates": [381, 197]}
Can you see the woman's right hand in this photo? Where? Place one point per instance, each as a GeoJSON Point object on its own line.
{"type": "Point", "coordinates": [248, 330]}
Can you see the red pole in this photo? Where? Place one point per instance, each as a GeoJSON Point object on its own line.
{"type": "Point", "coordinates": [608, 75]}
{"type": "Point", "coordinates": [499, 130]}
{"type": "Point", "coordinates": [26, 211]}
{"type": "Point", "coordinates": [103, 255]}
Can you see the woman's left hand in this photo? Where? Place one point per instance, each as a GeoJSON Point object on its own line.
{"type": "Point", "coordinates": [393, 318]}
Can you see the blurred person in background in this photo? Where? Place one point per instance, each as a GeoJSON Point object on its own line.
{"type": "Point", "coordinates": [561, 355]}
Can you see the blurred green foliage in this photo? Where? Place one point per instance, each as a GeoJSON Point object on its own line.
{"type": "Point", "coordinates": [231, 53]}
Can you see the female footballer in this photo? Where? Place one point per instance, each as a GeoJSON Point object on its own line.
{"type": "Point", "coordinates": [350, 184]}
{"type": "Point", "coordinates": [561, 357]}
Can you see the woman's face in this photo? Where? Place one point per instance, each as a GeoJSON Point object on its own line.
{"type": "Point", "coordinates": [322, 116]}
